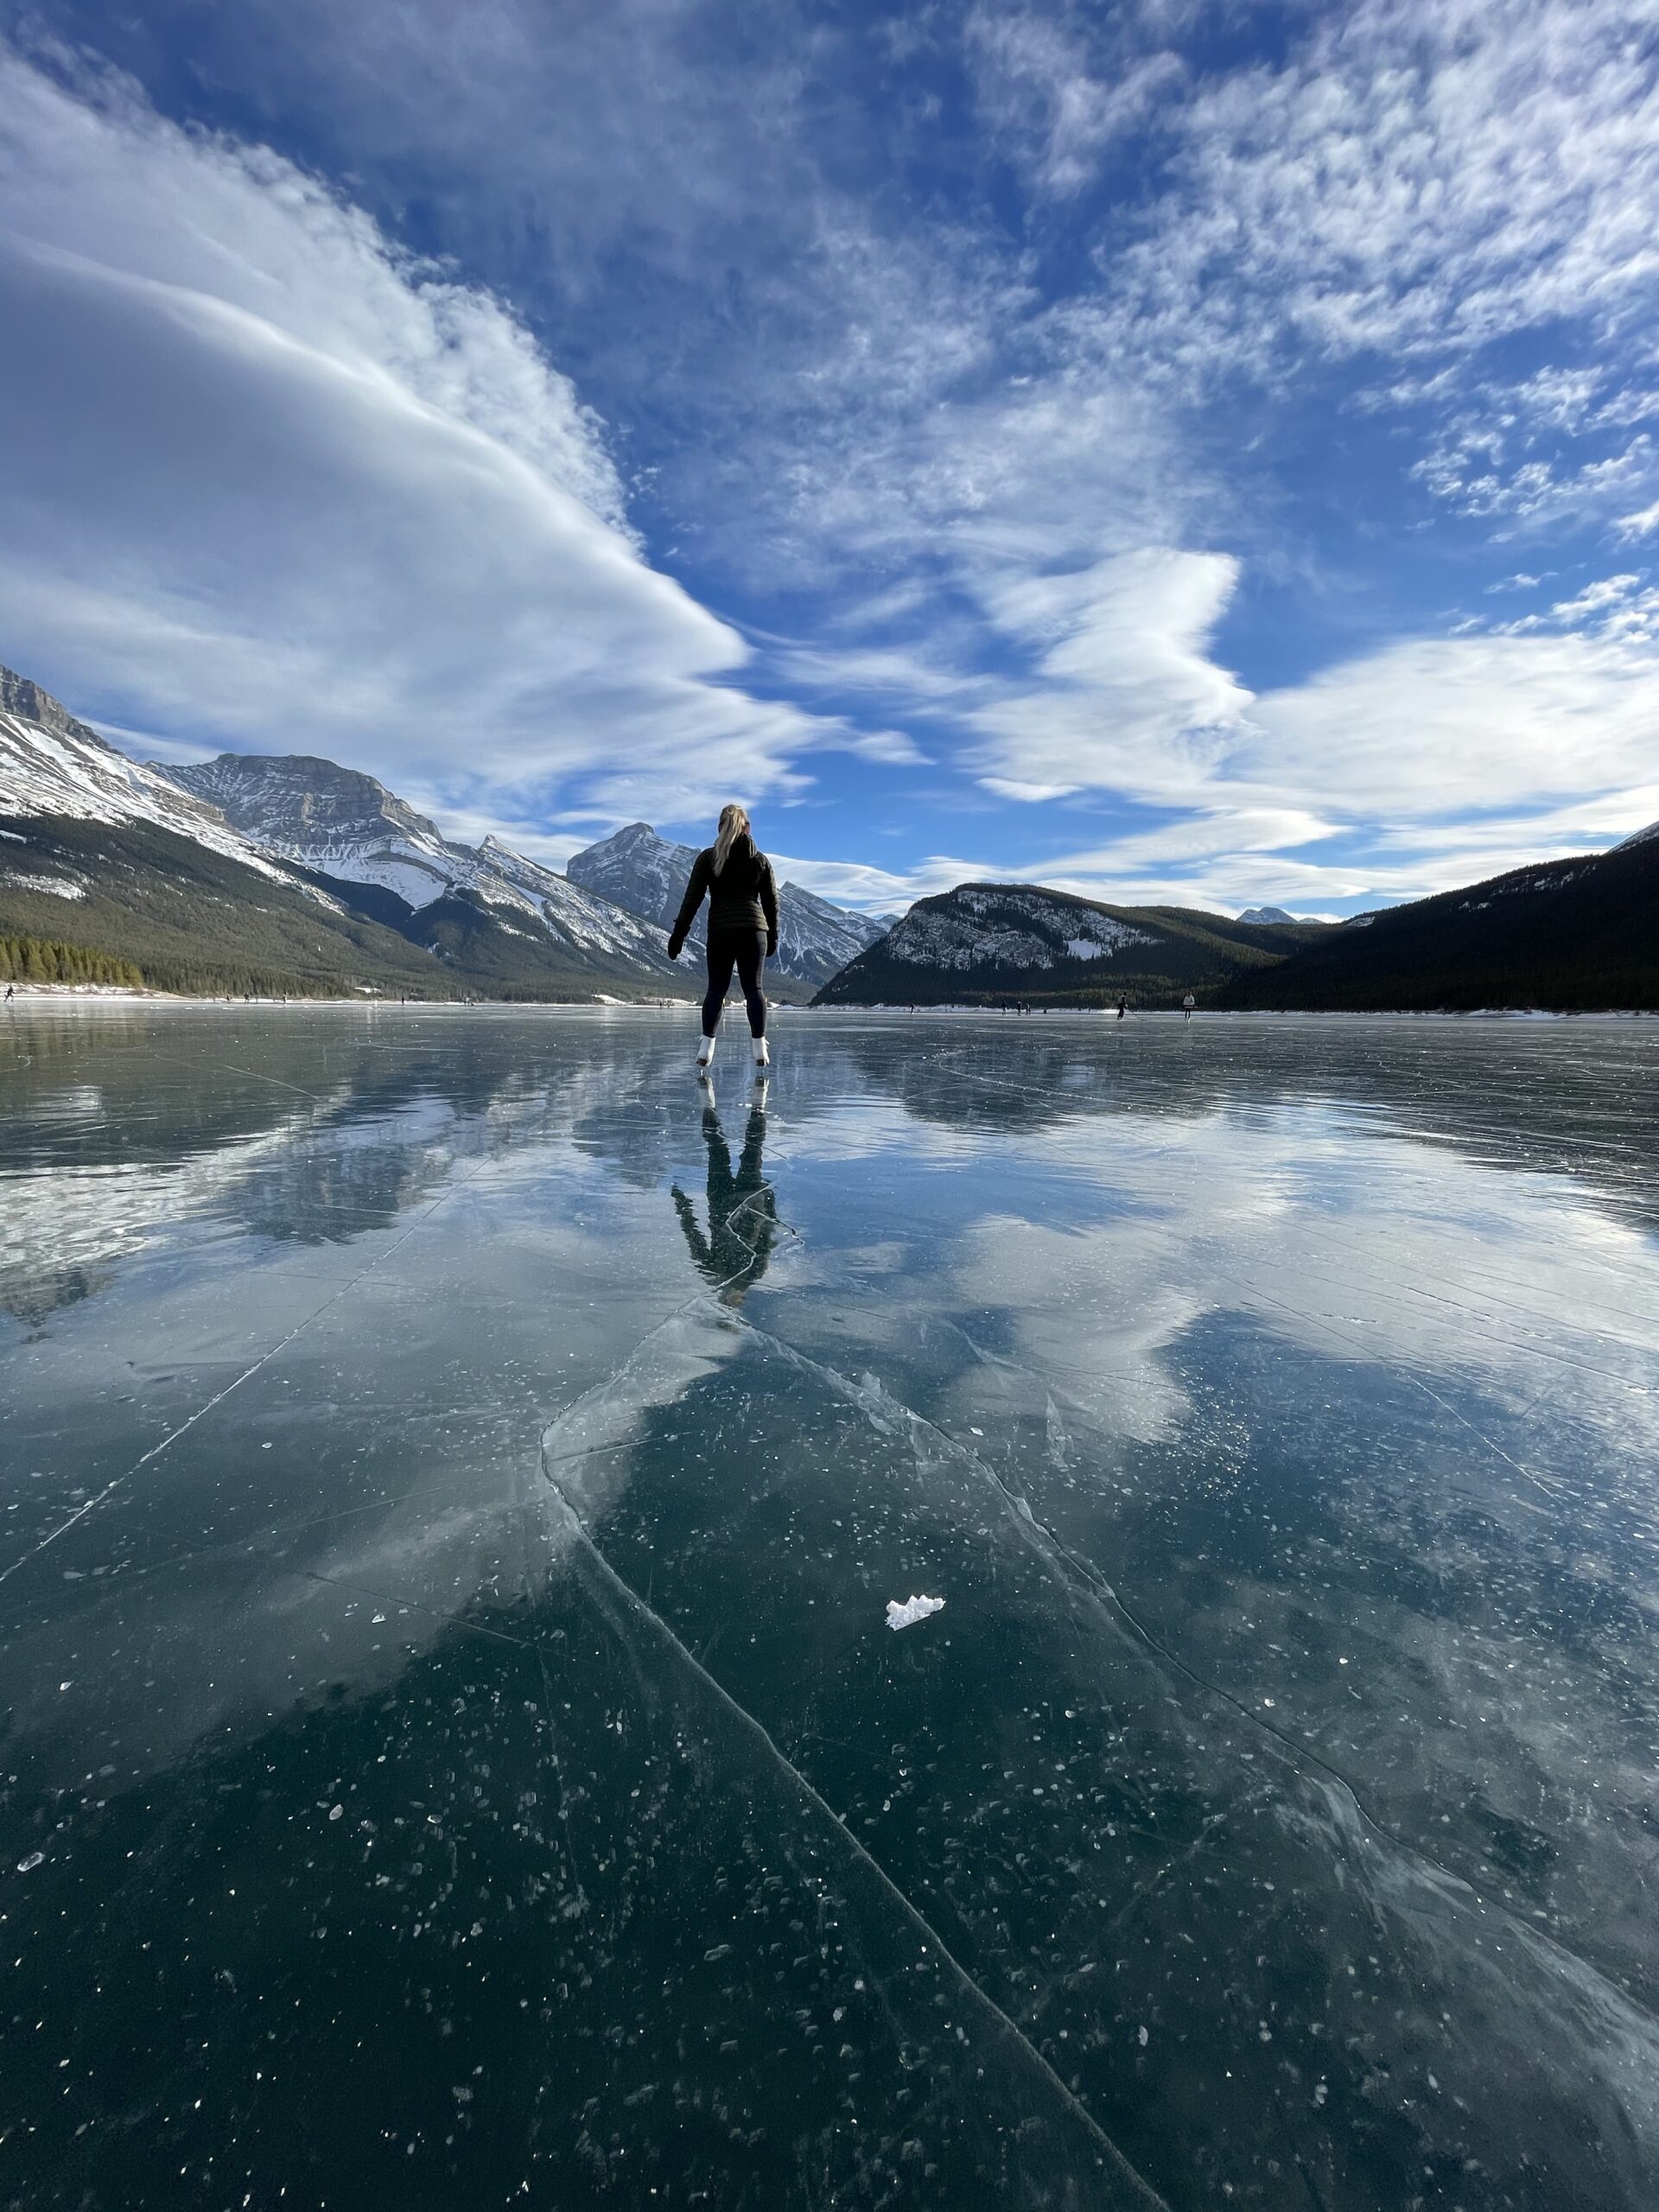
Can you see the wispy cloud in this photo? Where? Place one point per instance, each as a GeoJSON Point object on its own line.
{"type": "Point", "coordinates": [984, 365]}
{"type": "Point", "coordinates": [1408, 181]}
{"type": "Point", "coordinates": [332, 501]}
{"type": "Point", "coordinates": [1057, 107]}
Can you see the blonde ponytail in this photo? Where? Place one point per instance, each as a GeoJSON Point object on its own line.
{"type": "Point", "coordinates": [734, 823]}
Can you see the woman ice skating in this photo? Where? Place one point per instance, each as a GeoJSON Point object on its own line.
{"type": "Point", "coordinates": [1187, 1005]}
{"type": "Point", "coordinates": [736, 878]}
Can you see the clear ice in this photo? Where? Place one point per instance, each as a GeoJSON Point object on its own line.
{"type": "Point", "coordinates": [455, 1475]}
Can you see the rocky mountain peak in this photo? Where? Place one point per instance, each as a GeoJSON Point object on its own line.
{"type": "Point", "coordinates": [646, 873]}
{"type": "Point", "coordinates": [21, 696]}
{"type": "Point", "coordinates": [295, 799]}
{"type": "Point", "coordinates": [50, 764]}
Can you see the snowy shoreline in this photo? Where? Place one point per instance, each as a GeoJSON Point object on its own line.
{"type": "Point", "coordinates": [122, 994]}
{"type": "Point", "coordinates": [94, 995]}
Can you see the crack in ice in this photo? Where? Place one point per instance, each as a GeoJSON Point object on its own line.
{"type": "Point", "coordinates": [1142, 2194]}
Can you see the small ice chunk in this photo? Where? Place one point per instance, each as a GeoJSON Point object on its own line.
{"type": "Point", "coordinates": [912, 1610]}
{"type": "Point", "coordinates": [34, 1858]}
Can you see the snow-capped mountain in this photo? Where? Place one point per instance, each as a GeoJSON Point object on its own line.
{"type": "Point", "coordinates": [1638, 838]}
{"type": "Point", "coordinates": [988, 943]}
{"type": "Point", "coordinates": [815, 939]}
{"type": "Point", "coordinates": [343, 824]}
{"type": "Point", "coordinates": [647, 874]}
{"type": "Point", "coordinates": [641, 871]}
{"type": "Point", "coordinates": [1266, 914]}
{"type": "Point", "coordinates": [325, 817]}
{"type": "Point", "coordinates": [1006, 928]}
{"type": "Point", "coordinates": [50, 764]}
{"type": "Point", "coordinates": [285, 876]}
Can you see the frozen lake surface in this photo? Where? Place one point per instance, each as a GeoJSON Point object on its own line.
{"type": "Point", "coordinates": [454, 1482]}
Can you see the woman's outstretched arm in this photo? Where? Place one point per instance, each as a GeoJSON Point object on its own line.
{"type": "Point", "coordinates": [769, 907]}
{"type": "Point", "coordinates": [689, 905]}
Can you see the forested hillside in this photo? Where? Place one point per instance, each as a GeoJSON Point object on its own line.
{"type": "Point", "coordinates": [1564, 936]}
{"type": "Point", "coordinates": [193, 919]}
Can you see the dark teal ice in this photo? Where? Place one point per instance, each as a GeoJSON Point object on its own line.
{"type": "Point", "coordinates": [453, 1477]}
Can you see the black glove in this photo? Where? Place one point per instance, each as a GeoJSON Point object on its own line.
{"type": "Point", "coordinates": [772, 947]}
{"type": "Point", "coordinates": [674, 944]}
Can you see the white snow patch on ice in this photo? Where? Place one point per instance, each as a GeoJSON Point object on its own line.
{"type": "Point", "coordinates": [912, 1610]}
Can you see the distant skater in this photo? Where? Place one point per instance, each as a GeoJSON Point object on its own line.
{"type": "Point", "coordinates": [736, 878]}
{"type": "Point", "coordinates": [1187, 1005]}
{"type": "Point", "coordinates": [1123, 1008]}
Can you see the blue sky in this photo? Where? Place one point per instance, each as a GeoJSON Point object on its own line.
{"type": "Point", "coordinates": [1178, 452]}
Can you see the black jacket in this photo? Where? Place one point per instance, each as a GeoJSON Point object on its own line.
{"type": "Point", "coordinates": [743, 896]}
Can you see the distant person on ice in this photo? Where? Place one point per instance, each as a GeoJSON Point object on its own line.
{"type": "Point", "coordinates": [736, 878]}
{"type": "Point", "coordinates": [1187, 1005]}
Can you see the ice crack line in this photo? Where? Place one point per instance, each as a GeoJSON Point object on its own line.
{"type": "Point", "coordinates": [1030, 1529]}
{"type": "Point", "coordinates": [156, 1450]}
{"type": "Point", "coordinates": [1403, 1374]}
{"type": "Point", "coordinates": [702, 1295]}
{"type": "Point", "coordinates": [1143, 2195]}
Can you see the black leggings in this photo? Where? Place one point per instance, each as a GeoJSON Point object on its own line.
{"type": "Point", "coordinates": [746, 950]}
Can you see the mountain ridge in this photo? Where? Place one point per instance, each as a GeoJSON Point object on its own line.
{"type": "Point", "coordinates": [986, 943]}
{"type": "Point", "coordinates": [1579, 934]}
{"type": "Point", "coordinates": [647, 873]}
{"type": "Point", "coordinates": [125, 859]}
{"type": "Point", "coordinates": [50, 763]}
{"type": "Point", "coordinates": [319, 876]}
{"type": "Point", "coordinates": [347, 825]}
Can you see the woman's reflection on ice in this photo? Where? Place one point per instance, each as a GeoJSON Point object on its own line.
{"type": "Point", "coordinates": [742, 1209]}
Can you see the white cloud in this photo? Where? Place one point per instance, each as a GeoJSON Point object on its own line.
{"type": "Point", "coordinates": [286, 490]}
{"type": "Point", "coordinates": [1228, 831]}
{"type": "Point", "coordinates": [1125, 697]}
{"type": "Point", "coordinates": [1038, 91]}
{"type": "Point", "coordinates": [98, 173]}
{"type": "Point", "coordinates": [873, 890]}
{"type": "Point", "coordinates": [1431, 727]}
{"type": "Point", "coordinates": [1470, 471]}
{"type": "Point", "coordinates": [1409, 180]}
{"type": "Point", "coordinates": [338, 500]}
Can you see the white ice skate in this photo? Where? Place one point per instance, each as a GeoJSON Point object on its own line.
{"type": "Point", "coordinates": [762, 1056]}
{"type": "Point", "coordinates": [705, 1054]}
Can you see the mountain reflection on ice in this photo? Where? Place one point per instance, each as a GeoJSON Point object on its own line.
{"type": "Point", "coordinates": [453, 1479]}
